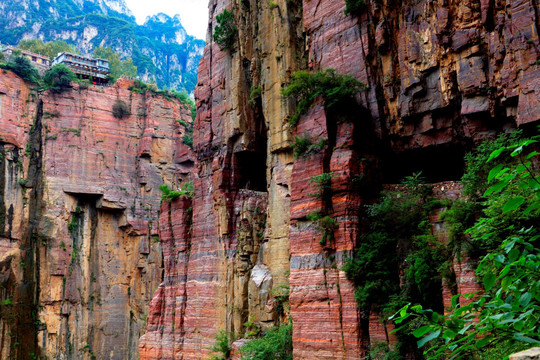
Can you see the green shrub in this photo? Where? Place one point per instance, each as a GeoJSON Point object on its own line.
{"type": "Point", "coordinates": [314, 216]}
{"type": "Point", "coordinates": [21, 66]}
{"type": "Point", "coordinates": [255, 94]}
{"type": "Point", "coordinates": [188, 139]}
{"type": "Point", "coordinates": [187, 190]}
{"type": "Point", "coordinates": [188, 135]}
{"type": "Point", "coordinates": [58, 79]}
{"type": "Point", "coordinates": [281, 299]}
{"type": "Point", "coordinates": [303, 146]}
{"type": "Point", "coordinates": [252, 329]}
{"type": "Point", "coordinates": [399, 229]}
{"type": "Point", "coordinates": [120, 109]}
{"type": "Point", "coordinates": [354, 7]}
{"type": "Point", "coordinates": [331, 87]}
{"type": "Point", "coordinates": [327, 225]}
{"type": "Point", "coordinates": [323, 183]}
{"type": "Point", "coordinates": [478, 168]}
{"type": "Point", "coordinates": [276, 344]}
{"type": "Point", "coordinates": [222, 345]}
{"type": "Point", "coordinates": [225, 30]}
{"type": "Point", "coordinates": [504, 317]}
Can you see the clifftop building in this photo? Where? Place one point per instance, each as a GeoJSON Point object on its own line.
{"type": "Point", "coordinates": [41, 62]}
{"type": "Point", "coordinates": [84, 67]}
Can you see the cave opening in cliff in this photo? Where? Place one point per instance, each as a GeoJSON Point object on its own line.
{"type": "Point", "coordinates": [437, 164]}
{"type": "Point", "coordinates": [251, 170]}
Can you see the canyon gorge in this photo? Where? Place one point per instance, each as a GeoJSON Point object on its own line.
{"type": "Point", "coordinates": [94, 265]}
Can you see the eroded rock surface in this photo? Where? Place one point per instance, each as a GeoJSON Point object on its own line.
{"type": "Point", "coordinates": [242, 255]}
{"type": "Point", "coordinates": [442, 77]}
{"type": "Point", "coordinates": [79, 206]}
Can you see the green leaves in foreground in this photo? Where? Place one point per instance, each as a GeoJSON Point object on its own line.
{"type": "Point", "coordinates": [276, 344]}
{"type": "Point", "coordinates": [506, 317]}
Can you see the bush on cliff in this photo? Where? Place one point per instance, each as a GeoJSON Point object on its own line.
{"type": "Point", "coordinates": [58, 79]}
{"type": "Point", "coordinates": [21, 66]}
{"type": "Point", "coordinates": [120, 109]}
{"type": "Point", "coordinates": [276, 344]}
{"type": "Point", "coordinates": [225, 30]}
{"type": "Point", "coordinates": [353, 7]}
{"type": "Point", "coordinates": [187, 190]}
{"type": "Point", "coordinates": [506, 316]}
{"type": "Point", "coordinates": [222, 345]}
{"type": "Point", "coordinates": [332, 88]}
{"type": "Point", "coordinates": [399, 229]}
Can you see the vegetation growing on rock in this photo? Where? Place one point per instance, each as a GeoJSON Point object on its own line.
{"type": "Point", "coordinates": [276, 344]}
{"type": "Point", "coordinates": [170, 195]}
{"type": "Point", "coordinates": [395, 262]}
{"type": "Point", "coordinates": [58, 79]}
{"type": "Point", "coordinates": [303, 146]}
{"type": "Point", "coordinates": [21, 66]}
{"type": "Point", "coordinates": [329, 86]}
{"type": "Point", "coordinates": [120, 109]}
{"type": "Point", "coordinates": [225, 31]}
{"type": "Point", "coordinates": [505, 317]}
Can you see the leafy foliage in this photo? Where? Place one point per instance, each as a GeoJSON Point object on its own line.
{"type": "Point", "coordinates": [120, 109]}
{"type": "Point", "coordinates": [187, 190]}
{"type": "Point", "coordinates": [21, 66]}
{"type": "Point", "coordinates": [254, 94]}
{"type": "Point", "coordinates": [331, 87]}
{"type": "Point", "coordinates": [281, 299]}
{"type": "Point", "coordinates": [353, 7]}
{"type": "Point", "coordinates": [478, 167]}
{"type": "Point", "coordinates": [276, 344]}
{"type": "Point", "coordinates": [58, 79]}
{"type": "Point", "coordinates": [222, 345]}
{"type": "Point", "coordinates": [506, 317]}
{"type": "Point", "coordinates": [50, 49]}
{"type": "Point", "coordinates": [303, 146]}
{"type": "Point", "coordinates": [399, 230]}
{"type": "Point", "coordinates": [188, 136]}
{"type": "Point", "coordinates": [323, 183]}
{"type": "Point", "coordinates": [225, 30]}
{"type": "Point", "coordinates": [118, 68]}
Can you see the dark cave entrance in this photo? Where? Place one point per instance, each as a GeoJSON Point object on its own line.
{"type": "Point", "coordinates": [250, 170]}
{"type": "Point", "coordinates": [249, 163]}
{"type": "Point", "coordinates": [437, 164]}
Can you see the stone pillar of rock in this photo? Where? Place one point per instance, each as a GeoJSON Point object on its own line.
{"type": "Point", "coordinates": [240, 239]}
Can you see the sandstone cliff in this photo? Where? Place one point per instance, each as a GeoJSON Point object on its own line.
{"type": "Point", "coordinates": [79, 206]}
{"type": "Point", "coordinates": [442, 76]}
{"type": "Point", "coordinates": [89, 264]}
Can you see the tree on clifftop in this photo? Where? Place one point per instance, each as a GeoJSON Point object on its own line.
{"type": "Point", "coordinates": [50, 49]}
{"type": "Point", "coordinates": [117, 67]}
{"type": "Point", "coordinates": [58, 79]}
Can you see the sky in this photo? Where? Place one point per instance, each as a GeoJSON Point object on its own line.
{"type": "Point", "coordinates": [193, 13]}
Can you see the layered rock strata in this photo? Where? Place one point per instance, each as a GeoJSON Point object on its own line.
{"type": "Point", "coordinates": [79, 203]}
{"type": "Point", "coordinates": [442, 77]}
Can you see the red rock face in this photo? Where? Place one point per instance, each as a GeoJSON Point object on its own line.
{"type": "Point", "coordinates": [440, 77]}
{"type": "Point", "coordinates": [82, 190]}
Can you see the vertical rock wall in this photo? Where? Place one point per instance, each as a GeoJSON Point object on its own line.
{"type": "Point", "coordinates": [80, 234]}
{"type": "Point", "coordinates": [442, 77]}
{"type": "Point", "coordinates": [80, 198]}
{"type": "Point", "coordinates": [240, 241]}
